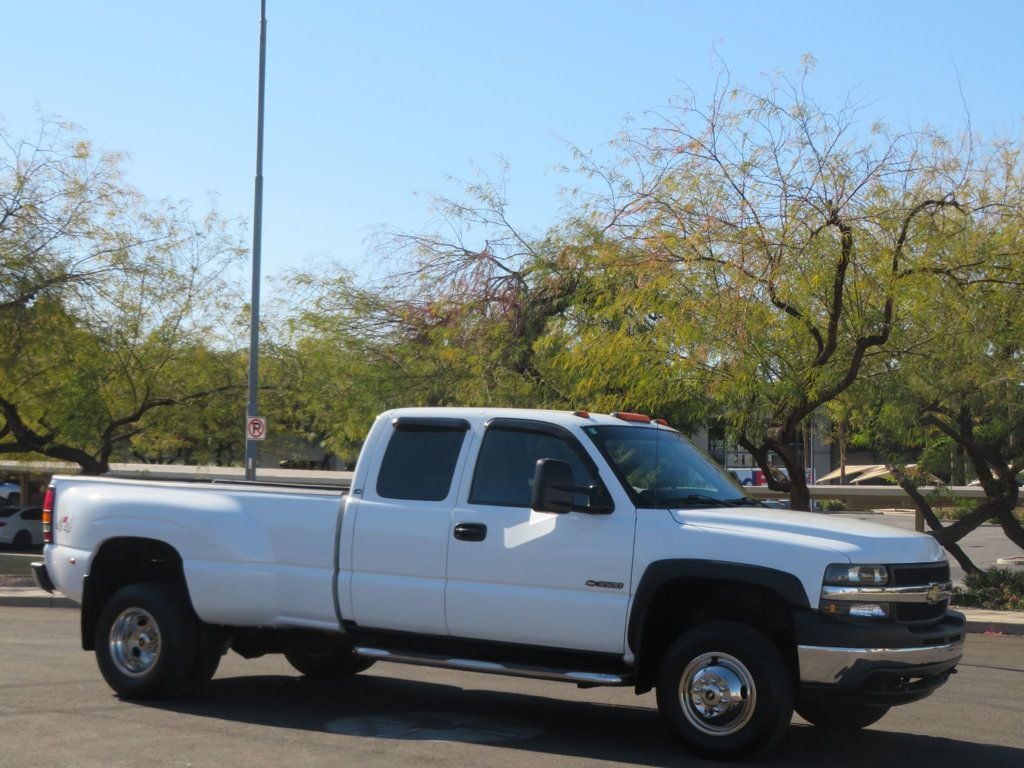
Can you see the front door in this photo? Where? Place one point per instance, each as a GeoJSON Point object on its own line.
{"type": "Point", "coordinates": [537, 578]}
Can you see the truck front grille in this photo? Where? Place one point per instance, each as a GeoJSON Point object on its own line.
{"type": "Point", "coordinates": [920, 574]}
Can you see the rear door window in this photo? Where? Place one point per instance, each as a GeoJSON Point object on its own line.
{"type": "Point", "coordinates": [419, 462]}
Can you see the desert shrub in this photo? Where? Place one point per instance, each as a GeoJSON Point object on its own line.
{"type": "Point", "coordinates": [997, 589]}
{"type": "Point", "coordinates": [831, 505]}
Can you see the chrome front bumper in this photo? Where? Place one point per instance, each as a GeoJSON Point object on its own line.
{"type": "Point", "coordinates": [848, 667]}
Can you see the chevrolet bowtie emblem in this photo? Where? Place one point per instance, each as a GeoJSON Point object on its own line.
{"type": "Point", "coordinates": [934, 594]}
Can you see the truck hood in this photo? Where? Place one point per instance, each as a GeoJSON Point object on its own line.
{"type": "Point", "coordinates": [858, 540]}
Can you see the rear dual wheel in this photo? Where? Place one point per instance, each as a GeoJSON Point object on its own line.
{"type": "Point", "coordinates": [149, 643]}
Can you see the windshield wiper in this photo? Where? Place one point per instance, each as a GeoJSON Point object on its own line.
{"type": "Point", "coordinates": [746, 501]}
{"type": "Point", "coordinates": [693, 498]}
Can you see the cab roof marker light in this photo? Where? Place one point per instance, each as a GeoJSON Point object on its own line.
{"type": "Point", "coordinates": [582, 414]}
{"type": "Point", "coordinates": [637, 417]}
{"type": "Point", "coordinates": [662, 422]}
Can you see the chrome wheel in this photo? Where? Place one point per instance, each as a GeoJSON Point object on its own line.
{"type": "Point", "coordinates": [717, 694]}
{"type": "Point", "coordinates": [134, 642]}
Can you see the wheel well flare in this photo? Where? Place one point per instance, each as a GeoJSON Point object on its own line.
{"type": "Point", "coordinates": [122, 561]}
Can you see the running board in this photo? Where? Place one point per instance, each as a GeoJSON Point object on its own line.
{"type": "Point", "coordinates": [582, 679]}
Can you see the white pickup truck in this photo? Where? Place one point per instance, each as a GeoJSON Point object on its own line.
{"type": "Point", "coordinates": [586, 548]}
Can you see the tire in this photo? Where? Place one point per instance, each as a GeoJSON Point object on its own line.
{"type": "Point", "coordinates": [838, 715]}
{"type": "Point", "coordinates": [732, 659]}
{"type": "Point", "coordinates": [210, 647]}
{"type": "Point", "coordinates": [22, 539]}
{"type": "Point", "coordinates": [321, 658]}
{"type": "Point", "coordinates": [147, 641]}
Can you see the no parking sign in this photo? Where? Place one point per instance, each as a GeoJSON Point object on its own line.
{"type": "Point", "coordinates": [256, 428]}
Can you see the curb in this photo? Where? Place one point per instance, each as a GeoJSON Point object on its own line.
{"type": "Point", "coordinates": [982, 627]}
{"type": "Point", "coordinates": [36, 601]}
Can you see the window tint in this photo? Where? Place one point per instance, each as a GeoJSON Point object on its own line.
{"type": "Point", "coordinates": [32, 513]}
{"type": "Point", "coordinates": [508, 459]}
{"type": "Point", "coordinates": [419, 463]}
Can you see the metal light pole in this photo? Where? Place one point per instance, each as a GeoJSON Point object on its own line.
{"type": "Point", "coordinates": [252, 411]}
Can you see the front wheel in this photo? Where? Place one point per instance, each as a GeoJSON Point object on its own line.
{"type": "Point", "coordinates": [725, 690]}
{"type": "Point", "coordinates": [838, 715]}
{"type": "Point", "coordinates": [146, 640]}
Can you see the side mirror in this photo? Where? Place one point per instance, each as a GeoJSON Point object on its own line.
{"type": "Point", "coordinates": [553, 490]}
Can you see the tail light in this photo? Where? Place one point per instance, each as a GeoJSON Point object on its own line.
{"type": "Point", "coordinates": [48, 516]}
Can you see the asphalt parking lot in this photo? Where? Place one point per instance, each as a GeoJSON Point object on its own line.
{"type": "Point", "coordinates": [56, 710]}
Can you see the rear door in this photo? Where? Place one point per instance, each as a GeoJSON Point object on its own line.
{"type": "Point", "coordinates": [537, 578]}
{"type": "Point", "coordinates": [401, 527]}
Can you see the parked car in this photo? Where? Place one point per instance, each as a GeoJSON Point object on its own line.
{"type": "Point", "coordinates": [21, 527]}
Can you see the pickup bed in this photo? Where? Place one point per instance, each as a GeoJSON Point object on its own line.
{"type": "Point", "coordinates": [591, 549]}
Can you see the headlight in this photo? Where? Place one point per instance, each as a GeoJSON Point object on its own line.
{"type": "Point", "coordinates": [842, 575]}
{"type": "Point", "coordinates": [855, 592]}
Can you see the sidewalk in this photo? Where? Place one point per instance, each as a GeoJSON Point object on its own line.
{"type": "Point", "coordinates": [978, 620]}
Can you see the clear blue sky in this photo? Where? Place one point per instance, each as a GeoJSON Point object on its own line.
{"type": "Point", "coordinates": [370, 106]}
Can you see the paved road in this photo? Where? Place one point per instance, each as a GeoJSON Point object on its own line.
{"type": "Point", "coordinates": [56, 710]}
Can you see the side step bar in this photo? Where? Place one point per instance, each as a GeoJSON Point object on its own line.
{"type": "Point", "coordinates": [582, 679]}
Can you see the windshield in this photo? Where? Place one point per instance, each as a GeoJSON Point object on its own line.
{"type": "Point", "coordinates": [661, 468]}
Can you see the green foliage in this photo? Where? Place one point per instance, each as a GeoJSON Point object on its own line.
{"type": "Point", "coordinates": [755, 260]}
{"type": "Point", "coordinates": [997, 589]}
{"type": "Point", "coordinates": [831, 505]}
{"type": "Point", "coordinates": [110, 306]}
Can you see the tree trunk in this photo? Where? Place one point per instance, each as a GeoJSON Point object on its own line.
{"type": "Point", "coordinates": [799, 494]}
{"type": "Point", "coordinates": [958, 476]}
{"type": "Point", "coordinates": [933, 521]}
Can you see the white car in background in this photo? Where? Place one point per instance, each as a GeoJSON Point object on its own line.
{"type": "Point", "coordinates": [21, 527]}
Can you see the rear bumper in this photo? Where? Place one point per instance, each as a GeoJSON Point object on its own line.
{"type": "Point", "coordinates": [905, 669]}
{"type": "Point", "coordinates": [42, 577]}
